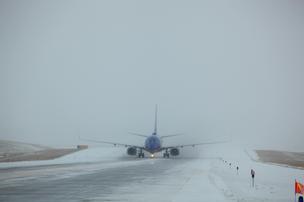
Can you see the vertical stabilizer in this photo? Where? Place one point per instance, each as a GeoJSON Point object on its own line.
{"type": "Point", "coordinates": [155, 124]}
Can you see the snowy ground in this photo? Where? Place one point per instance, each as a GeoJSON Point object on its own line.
{"type": "Point", "coordinates": [97, 154]}
{"type": "Point", "coordinates": [7, 146]}
{"type": "Point", "coordinates": [272, 183]}
{"type": "Point", "coordinates": [207, 178]}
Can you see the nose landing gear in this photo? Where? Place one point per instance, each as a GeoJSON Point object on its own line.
{"type": "Point", "coordinates": [141, 154]}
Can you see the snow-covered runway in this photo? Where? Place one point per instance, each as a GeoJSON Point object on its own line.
{"type": "Point", "coordinates": [90, 176]}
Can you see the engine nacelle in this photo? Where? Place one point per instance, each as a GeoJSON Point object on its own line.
{"type": "Point", "coordinates": [132, 151]}
{"type": "Point", "coordinates": [174, 152]}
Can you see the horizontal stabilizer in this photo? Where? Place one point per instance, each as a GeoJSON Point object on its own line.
{"type": "Point", "coordinates": [172, 135]}
{"type": "Point", "coordinates": [138, 134]}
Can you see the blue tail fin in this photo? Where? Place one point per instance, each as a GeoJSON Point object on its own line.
{"type": "Point", "coordinates": [155, 124]}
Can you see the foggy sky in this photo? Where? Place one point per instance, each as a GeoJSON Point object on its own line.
{"type": "Point", "coordinates": [96, 69]}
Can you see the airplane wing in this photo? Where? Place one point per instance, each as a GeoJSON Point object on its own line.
{"type": "Point", "coordinates": [113, 143]}
{"type": "Point", "coordinates": [192, 145]}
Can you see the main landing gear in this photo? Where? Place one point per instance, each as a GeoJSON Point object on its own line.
{"type": "Point", "coordinates": [166, 154]}
{"type": "Point", "coordinates": [141, 154]}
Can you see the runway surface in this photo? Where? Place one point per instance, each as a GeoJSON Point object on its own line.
{"type": "Point", "coordinates": [104, 181]}
{"type": "Point", "coordinates": [212, 177]}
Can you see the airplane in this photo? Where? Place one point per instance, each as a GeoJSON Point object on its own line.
{"type": "Point", "coordinates": [153, 144]}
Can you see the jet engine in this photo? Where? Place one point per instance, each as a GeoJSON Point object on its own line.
{"type": "Point", "coordinates": [132, 151]}
{"type": "Point", "coordinates": [174, 152]}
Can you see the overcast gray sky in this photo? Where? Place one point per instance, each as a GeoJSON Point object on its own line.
{"type": "Point", "coordinates": [96, 69]}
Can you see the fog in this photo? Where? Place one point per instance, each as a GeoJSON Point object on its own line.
{"type": "Point", "coordinates": [96, 69]}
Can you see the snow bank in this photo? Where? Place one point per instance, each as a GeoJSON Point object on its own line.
{"type": "Point", "coordinates": [83, 156]}
{"type": "Point", "coordinates": [7, 146]}
{"type": "Point", "coordinates": [272, 183]}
